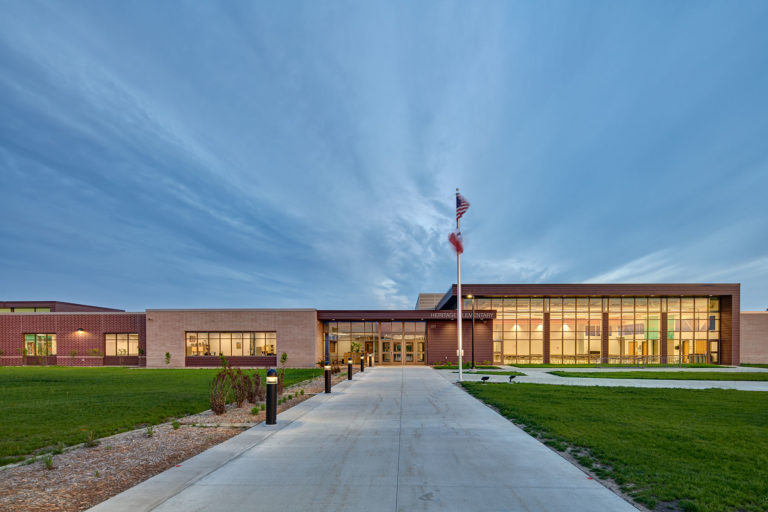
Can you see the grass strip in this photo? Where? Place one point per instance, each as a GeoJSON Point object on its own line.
{"type": "Point", "coordinates": [670, 449]}
{"type": "Point", "coordinates": [755, 365]}
{"type": "Point", "coordinates": [731, 376]}
{"type": "Point", "coordinates": [43, 407]}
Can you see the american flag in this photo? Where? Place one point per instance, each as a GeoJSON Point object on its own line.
{"type": "Point", "coordinates": [462, 205]}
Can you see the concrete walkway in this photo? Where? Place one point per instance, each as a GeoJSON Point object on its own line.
{"type": "Point", "coordinates": [542, 376]}
{"type": "Point", "coordinates": [394, 439]}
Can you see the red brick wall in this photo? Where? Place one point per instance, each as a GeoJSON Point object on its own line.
{"type": "Point", "coordinates": [442, 343]}
{"type": "Point", "coordinates": [13, 327]}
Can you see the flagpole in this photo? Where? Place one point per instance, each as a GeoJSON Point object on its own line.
{"type": "Point", "coordinates": [458, 297]}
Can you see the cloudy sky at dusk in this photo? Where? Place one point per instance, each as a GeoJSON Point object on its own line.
{"type": "Point", "coordinates": [305, 154]}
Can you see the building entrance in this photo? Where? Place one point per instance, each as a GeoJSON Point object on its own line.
{"type": "Point", "coordinates": [402, 343]}
{"type": "Point", "coordinates": [391, 342]}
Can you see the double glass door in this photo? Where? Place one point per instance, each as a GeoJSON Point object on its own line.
{"type": "Point", "coordinates": [402, 343]}
{"type": "Point", "coordinates": [398, 352]}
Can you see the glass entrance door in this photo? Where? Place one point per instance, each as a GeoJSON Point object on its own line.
{"type": "Point", "coordinates": [402, 343]}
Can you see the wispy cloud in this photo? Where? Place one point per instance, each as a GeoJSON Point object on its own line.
{"type": "Point", "coordinates": [659, 266]}
{"type": "Point", "coordinates": [250, 155]}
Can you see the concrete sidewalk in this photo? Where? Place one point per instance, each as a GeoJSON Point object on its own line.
{"type": "Point", "coordinates": [542, 376]}
{"type": "Point", "coordinates": [394, 439]}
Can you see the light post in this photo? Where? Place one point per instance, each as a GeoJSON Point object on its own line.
{"type": "Point", "coordinates": [271, 397]}
{"type": "Point", "coordinates": [327, 378]}
{"type": "Point", "coordinates": [349, 368]}
{"type": "Point", "coordinates": [473, 329]}
{"type": "Point", "coordinates": [362, 363]}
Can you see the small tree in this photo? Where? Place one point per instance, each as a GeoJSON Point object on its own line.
{"type": "Point", "coordinates": [167, 358]}
{"type": "Point", "coordinates": [281, 373]}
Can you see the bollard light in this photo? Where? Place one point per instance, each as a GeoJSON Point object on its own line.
{"type": "Point", "coordinates": [327, 378]}
{"type": "Point", "coordinates": [349, 369]}
{"type": "Point", "coordinates": [362, 363]}
{"type": "Point", "coordinates": [271, 396]}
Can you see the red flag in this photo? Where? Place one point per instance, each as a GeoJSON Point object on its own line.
{"type": "Point", "coordinates": [456, 241]}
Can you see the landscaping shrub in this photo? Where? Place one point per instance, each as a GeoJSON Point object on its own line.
{"type": "Point", "coordinates": [90, 439]}
{"type": "Point", "coordinates": [241, 383]}
{"type": "Point", "coordinates": [257, 390]}
{"type": "Point", "coordinates": [219, 391]}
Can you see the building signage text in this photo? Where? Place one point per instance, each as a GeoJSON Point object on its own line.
{"type": "Point", "coordinates": [465, 315]}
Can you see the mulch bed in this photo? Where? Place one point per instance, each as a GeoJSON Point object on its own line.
{"type": "Point", "coordinates": [83, 477]}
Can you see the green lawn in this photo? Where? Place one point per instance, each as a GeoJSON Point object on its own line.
{"type": "Point", "coordinates": [671, 449]}
{"type": "Point", "coordinates": [755, 365]}
{"type": "Point", "coordinates": [45, 406]}
{"type": "Point", "coordinates": [669, 375]}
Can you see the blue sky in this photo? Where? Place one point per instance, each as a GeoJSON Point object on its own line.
{"type": "Point", "coordinates": [305, 154]}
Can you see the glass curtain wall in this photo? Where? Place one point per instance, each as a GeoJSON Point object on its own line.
{"type": "Point", "coordinates": [693, 329]}
{"type": "Point", "coordinates": [634, 329]}
{"type": "Point", "coordinates": [391, 342]}
{"type": "Point", "coordinates": [518, 331]}
{"type": "Point", "coordinates": [575, 327]}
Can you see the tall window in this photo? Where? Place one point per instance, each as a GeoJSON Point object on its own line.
{"type": "Point", "coordinates": [121, 344]}
{"type": "Point", "coordinates": [693, 326]}
{"type": "Point", "coordinates": [634, 329]}
{"type": "Point", "coordinates": [518, 331]}
{"type": "Point", "coordinates": [40, 344]}
{"type": "Point", "coordinates": [231, 343]}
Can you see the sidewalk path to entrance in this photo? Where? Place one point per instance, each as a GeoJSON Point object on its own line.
{"type": "Point", "coordinates": [543, 376]}
{"type": "Point", "coordinates": [394, 439]}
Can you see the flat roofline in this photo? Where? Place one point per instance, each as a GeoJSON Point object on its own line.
{"type": "Point", "coordinates": [228, 309]}
{"type": "Point", "coordinates": [43, 303]}
{"type": "Point", "coordinates": [375, 315]}
{"type": "Point", "coordinates": [74, 313]}
{"type": "Point", "coordinates": [587, 289]}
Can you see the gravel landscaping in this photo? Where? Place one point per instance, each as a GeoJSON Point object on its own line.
{"type": "Point", "coordinates": [82, 477]}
